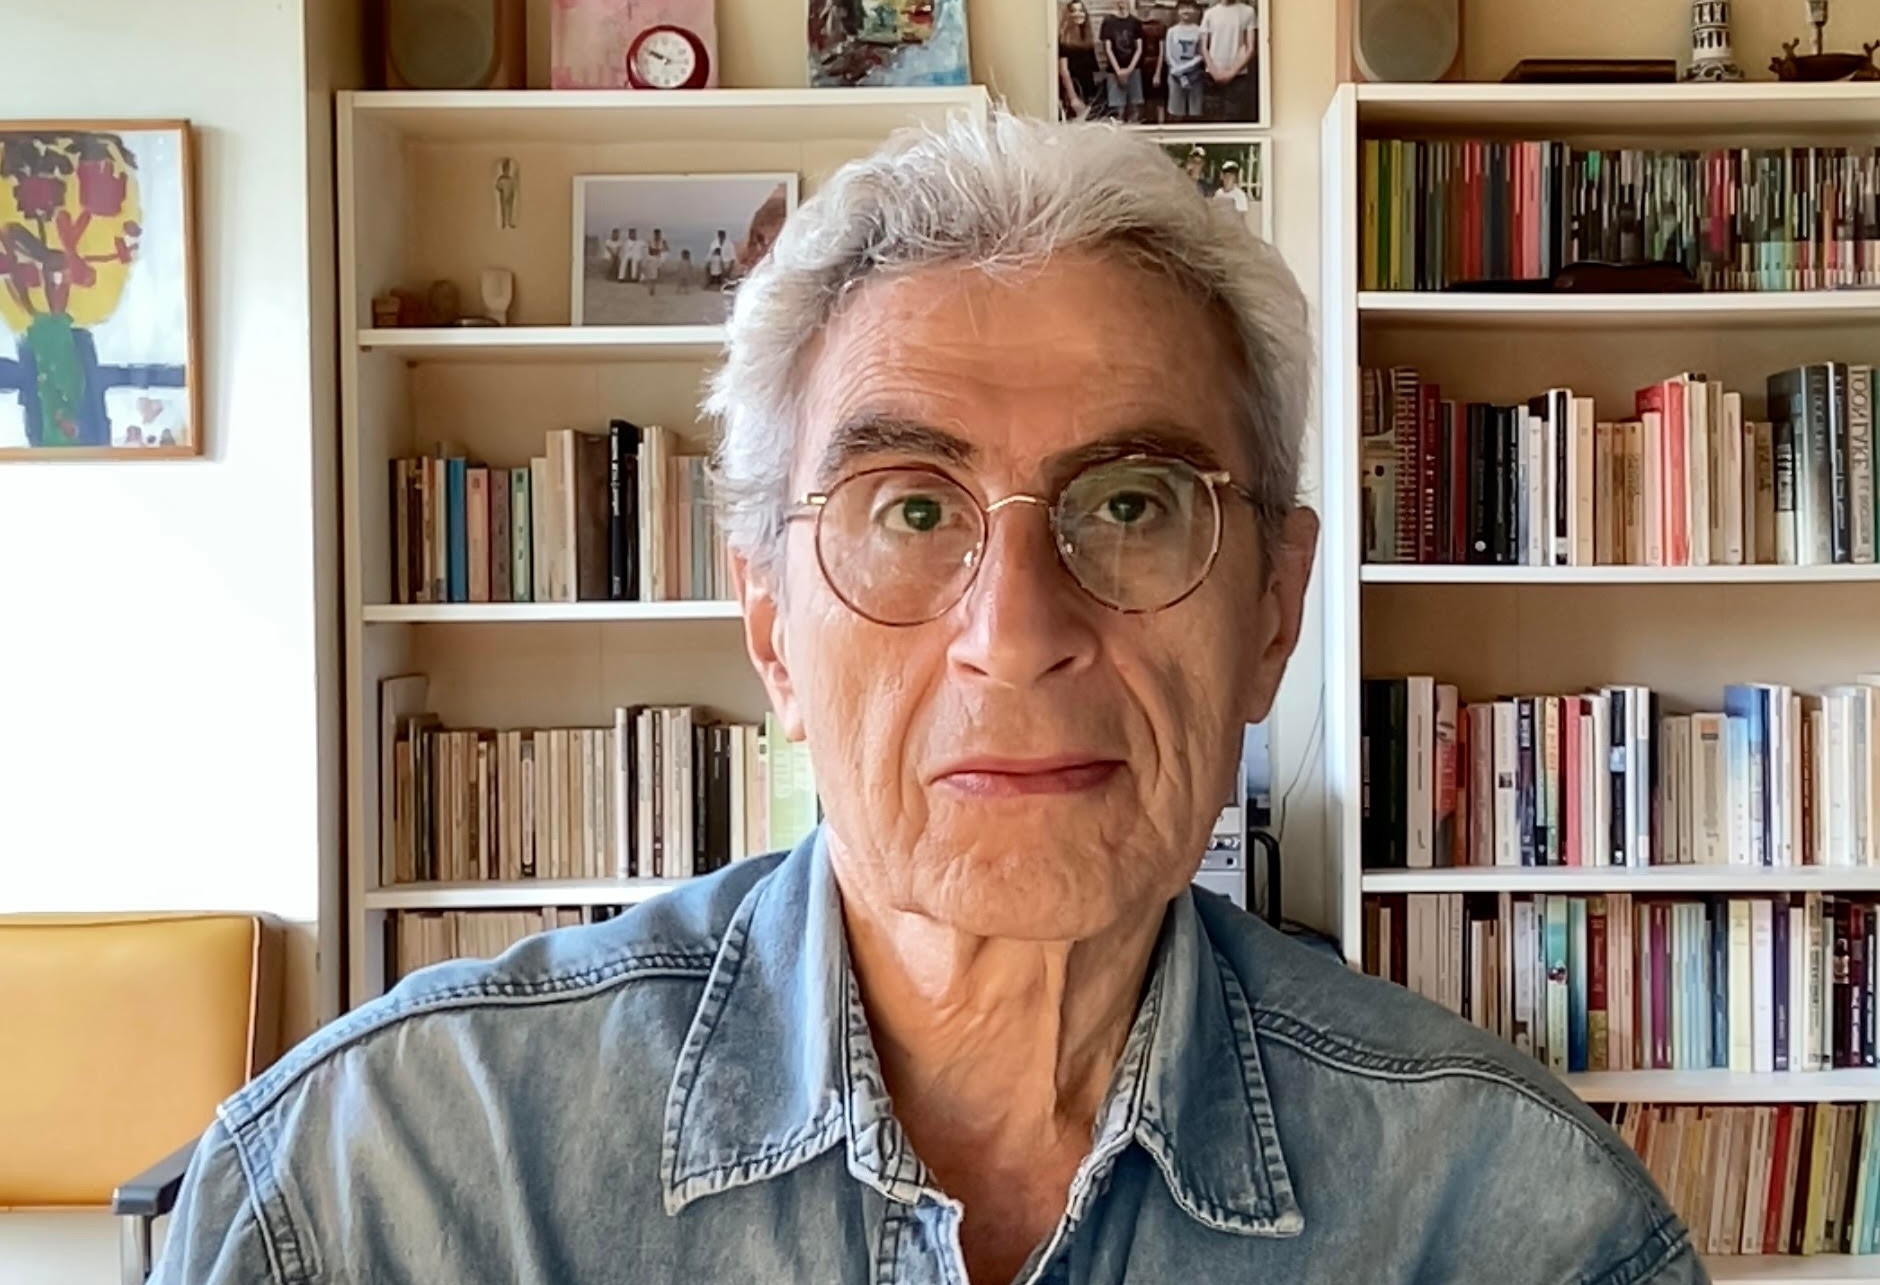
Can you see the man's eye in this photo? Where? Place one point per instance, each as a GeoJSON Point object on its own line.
{"type": "Point", "coordinates": [1128, 508]}
{"type": "Point", "coordinates": [915, 514]}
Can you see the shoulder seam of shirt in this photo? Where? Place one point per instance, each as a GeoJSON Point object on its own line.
{"type": "Point", "coordinates": [1667, 1236]}
{"type": "Point", "coordinates": [362, 1023]}
{"type": "Point", "coordinates": [1326, 1049]}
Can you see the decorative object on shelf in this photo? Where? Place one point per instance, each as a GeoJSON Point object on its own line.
{"type": "Point", "coordinates": [1592, 71]}
{"type": "Point", "coordinates": [669, 57]}
{"type": "Point", "coordinates": [1820, 66]}
{"type": "Point", "coordinates": [887, 42]}
{"type": "Point", "coordinates": [1407, 40]}
{"type": "Point", "coordinates": [98, 291]}
{"type": "Point", "coordinates": [667, 250]}
{"type": "Point", "coordinates": [1711, 57]}
{"type": "Point", "coordinates": [453, 44]}
{"type": "Point", "coordinates": [387, 310]}
{"type": "Point", "coordinates": [443, 305]}
{"type": "Point", "coordinates": [506, 183]}
{"type": "Point", "coordinates": [1230, 172]}
{"type": "Point", "coordinates": [498, 292]}
{"type": "Point", "coordinates": [633, 44]}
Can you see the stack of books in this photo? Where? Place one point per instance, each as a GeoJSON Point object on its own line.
{"type": "Point", "coordinates": [420, 938]}
{"type": "Point", "coordinates": [600, 517]}
{"type": "Point", "coordinates": [665, 792]}
{"type": "Point", "coordinates": [1439, 212]}
{"type": "Point", "coordinates": [1682, 479]}
{"type": "Point", "coordinates": [1775, 777]}
{"type": "Point", "coordinates": [1615, 982]}
{"type": "Point", "coordinates": [1789, 1179]}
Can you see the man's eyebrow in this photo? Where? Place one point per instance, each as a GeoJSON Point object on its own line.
{"type": "Point", "coordinates": [1168, 440]}
{"type": "Point", "coordinates": [869, 434]}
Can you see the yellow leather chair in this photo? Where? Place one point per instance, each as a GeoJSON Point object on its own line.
{"type": "Point", "coordinates": [121, 1034]}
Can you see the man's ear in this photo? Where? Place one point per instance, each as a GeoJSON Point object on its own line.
{"type": "Point", "coordinates": [764, 640]}
{"type": "Point", "coordinates": [1282, 607]}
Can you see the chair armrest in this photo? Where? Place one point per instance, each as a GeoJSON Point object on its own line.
{"type": "Point", "coordinates": [152, 1193]}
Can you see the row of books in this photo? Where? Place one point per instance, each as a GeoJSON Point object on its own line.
{"type": "Point", "coordinates": [419, 938]}
{"type": "Point", "coordinates": [1442, 212]}
{"type": "Point", "coordinates": [1788, 1179]}
{"type": "Point", "coordinates": [1775, 778]}
{"type": "Point", "coordinates": [1683, 480]}
{"type": "Point", "coordinates": [599, 517]}
{"type": "Point", "coordinates": [1617, 983]}
{"type": "Point", "coordinates": [666, 792]}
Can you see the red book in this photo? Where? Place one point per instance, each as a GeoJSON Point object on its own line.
{"type": "Point", "coordinates": [1661, 987]}
{"type": "Point", "coordinates": [1668, 400]}
{"type": "Point", "coordinates": [1598, 1021]}
{"type": "Point", "coordinates": [1778, 1186]}
{"type": "Point", "coordinates": [1464, 772]}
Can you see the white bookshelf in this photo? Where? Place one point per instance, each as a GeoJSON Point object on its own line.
{"type": "Point", "coordinates": [415, 205]}
{"type": "Point", "coordinates": [1685, 631]}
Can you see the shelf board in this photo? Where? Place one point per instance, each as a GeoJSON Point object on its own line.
{"type": "Point", "coordinates": [547, 343]}
{"type": "Point", "coordinates": [1669, 879]}
{"type": "Point", "coordinates": [490, 613]}
{"type": "Point", "coordinates": [1746, 107]}
{"type": "Point", "coordinates": [702, 116]}
{"type": "Point", "coordinates": [1726, 1086]}
{"type": "Point", "coordinates": [1792, 1269]}
{"type": "Point", "coordinates": [1557, 311]}
{"type": "Point", "coordinates": [1431, 574]}
{"type": "Point", "coordinates": [495, 895]}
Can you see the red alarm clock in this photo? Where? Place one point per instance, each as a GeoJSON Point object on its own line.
{"type": "Point", "coordinates": [668, 57]}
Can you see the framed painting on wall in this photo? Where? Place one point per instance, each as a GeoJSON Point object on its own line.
{"type": "Point", "coordinates": [1193, 64]}
{"type": "Point", "coordinates": [98, 332]}
{"type": "Point", "coordinates": [888, 42]}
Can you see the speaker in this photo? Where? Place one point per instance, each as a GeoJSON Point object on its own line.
{"type": "Point", "coordinates": [1405, 40]}
{"type": "Point", "coordinates": [453, 44]}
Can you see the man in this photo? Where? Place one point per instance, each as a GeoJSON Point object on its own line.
{"type": "Point", "coordinates": [717, 262]}
{"type": "Point", "coordinates": [1121, 37]}
{"type": "Point", "coordinates": [1196, 168]}
{"type": "Point", "coordinates": [632, 255]}
{"type": "Point", "coordinates": [1183, 64]}
{"type": "Point", "coordinates": [1232, 194]}
{"type": "Point", "coordinates": [1230, 30]}
{"type": "Point", "coordinates": [1020, 568]}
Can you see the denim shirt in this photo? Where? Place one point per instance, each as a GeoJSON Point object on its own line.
{"type": "Point", "coordinates": [690, 1093]}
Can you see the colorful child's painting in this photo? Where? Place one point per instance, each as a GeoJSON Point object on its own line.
{"type": "Point", "coordinates": [97, 291]}
{"type": "Point", "coordinates": [887, 42]}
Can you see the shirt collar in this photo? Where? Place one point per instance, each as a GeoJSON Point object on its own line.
{"type": "Point", "coordinates": [778, 1067]}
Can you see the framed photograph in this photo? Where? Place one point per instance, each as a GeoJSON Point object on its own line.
{"type": "Point", "coordinates": [888, 42]}
{"type": "Point", "coordinates": [1231, 172]}
{"type": "Point", "coordinates": [1197, 64]}
{"type": "Point", "coordinates": [98, 331]}
{"type": "Point", "coordinates": [668, 250]}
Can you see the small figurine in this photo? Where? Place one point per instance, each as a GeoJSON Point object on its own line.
{"type": "Point", "coordinates": [507, 182]}
{"type": "Point", "coordinates": [1820, 66]}
{"type": "Point", "coordinates": [1711, 56]}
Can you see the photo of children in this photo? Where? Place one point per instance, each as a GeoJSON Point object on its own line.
{"type": "Point", "coordinates": [1163, 62]}
{"type": "Point", "coordinates": [1230, 173]}
{"type": "Point", "coordinates": [669, 250]}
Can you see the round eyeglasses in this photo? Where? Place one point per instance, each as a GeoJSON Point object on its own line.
{"type": "Point", "coordinates": [901, 545]}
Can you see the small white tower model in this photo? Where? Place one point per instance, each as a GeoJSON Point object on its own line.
{"type": "Point", "coordinates": [1711, 58]}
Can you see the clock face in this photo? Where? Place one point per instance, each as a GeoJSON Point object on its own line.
{"type": "Point", "coordinates": [665, 59]}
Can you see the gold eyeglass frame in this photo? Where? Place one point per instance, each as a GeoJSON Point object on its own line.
{"type": "Point", "coordinates": [1217, 480]}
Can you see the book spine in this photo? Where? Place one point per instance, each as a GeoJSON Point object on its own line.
{"type": "Point", "coordinates": [456, 479]}
{"type": "Point", "coordinates": [1779, 984]}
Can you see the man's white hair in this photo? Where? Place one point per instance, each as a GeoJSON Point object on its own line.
{"type": "Point", "coordinates": [1004, 193]}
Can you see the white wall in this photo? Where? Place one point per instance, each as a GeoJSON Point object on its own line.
{"type": "Point", "coordinates": [167, 669]}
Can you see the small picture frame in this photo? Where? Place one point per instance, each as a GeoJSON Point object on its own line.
{"type": "Point", "coordinates": [670, 249]}
{"type": "Point", "coordinates": [99, 340]}
{"type": "Point", "coordinates": [1229, 170]}
{"type": "Point", "coordinates": [1202, 64]}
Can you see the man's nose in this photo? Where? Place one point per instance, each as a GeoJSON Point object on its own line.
{"type": "Point", "coordinates": [1024, 618]}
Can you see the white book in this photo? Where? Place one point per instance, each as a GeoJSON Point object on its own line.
{"type": "Point", "coordinates": [1709, 819]}
{"type": "Point", "coordinates": [1523, 970]}
{"type": "Point", "coordinates": [1507, 839]}
{"type": "Point", "coordinates": [1728, 532]}
{"type": "Point", "coordinates": [1592, 838]}
{"type": "Point", "coordinates": [1742, 1036]}
{"type": "Point", "coordinates": [620, 759]}
{"type": "Point", "coordinates": [1601, 828]}
{"type": "Point", "coordinates": [1697, 418]}
{"type": "Point", "coordinates": [1798, 985]}
{"type": "Point", "coordinates": [1815, 734]}
{"type": "Point", "coordinates": [1835, 771]}
{"type": "Point", "coordinates": [1820, 968]}
{"type": "Point", "coordinates": [1585, 484]}
{"type": "Point", "coordinates": [1420, 791]}
{"type": "Point", "coordinates": [1638, 777]}
{"type": "Point", "coordinates": [542, 527]}
{"type": "Point", "coordinates": [1859, 448]}
{"type": "Point", "coordinates": [1762, 986]}
{"type": "Point", "coordinates": [1537, 507]}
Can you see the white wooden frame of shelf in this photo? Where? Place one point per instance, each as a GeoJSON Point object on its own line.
{"type": "Point", "coordinates": [1749, 880]}
{"type": "Point", "coordinates": [1450, 574]}
{"type": "Point", "coordinates": [1860, 1084]}
{"type": "Point", "coordinates": [547, 343]}
{"type": "Point", "coordinates": [493, 613]}
{"type": "Point", "coordinates": [1792, 1269]}
{"type": "Point", "coordinates": [1550, 310]}
{"type": "Point", "coordinates": [518, 894]}
{"type": "Point", "coordinates": [1753, 108]}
